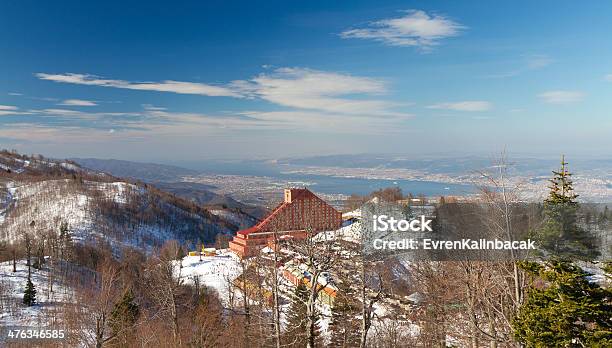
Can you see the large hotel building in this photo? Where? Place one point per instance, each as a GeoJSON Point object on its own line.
{"type": "Point", "coordinates": [300, 211]}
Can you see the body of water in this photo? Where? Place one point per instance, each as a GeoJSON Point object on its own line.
{"type": "Point", "coordinates": [329, 184]}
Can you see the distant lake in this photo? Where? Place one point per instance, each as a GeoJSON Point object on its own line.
{"type": "Point", "coordinates": [330, 184]}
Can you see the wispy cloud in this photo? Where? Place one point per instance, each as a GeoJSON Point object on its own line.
{"type": "Point", "coordinates": [321, 122]}
{"type": "Point", "coordinates": [77, 126]}
{"type": "Point", "coordinates": [469, 105]}
{"type": "Point", "coordinates": [306, 99]}
{"type": "Point", "coordinates": [561, 97]}
{"type": "Point", "coordinates": [78, 102]}
{"type": "Point", "coordinates": [414, 28]}
{"type": "Point", "coordinates": [15, 94]}
{"type": "Point", "coordinates": [527, 63]}
{"type": "Point", "coordinates": [538, 61]}
{"type": "Point", "coordinates": [298, 88]}
{"type": "Point", "coordinates": [179, 87]}
{"type": "Point", "coordinates": [153, 107]}
{"type": "Point", "coordinates": [318, 90]}
{"type": "Point", "coordinates": [145, 119]}
{"type": "Point", "coordinates": [11, 110]}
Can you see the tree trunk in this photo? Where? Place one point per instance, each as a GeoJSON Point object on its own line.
{"type": "Point", "coordinates": [311, 314]}
{"type": "Point", "coordinates": [14, 260]}
{"type": "Point", "coordinates": [365, 315]}
{"type": "Point", "coordinates": [276, 312]}
{"type": "Point", "coordinates": [100, 332]}
{"type": "Point", "coordinates": [175, 326]}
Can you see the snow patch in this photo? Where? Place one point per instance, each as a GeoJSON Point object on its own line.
{"type": "Point", "coordinates": [14, 312]}
{"type": "Point", "coordinates": [213, 271]}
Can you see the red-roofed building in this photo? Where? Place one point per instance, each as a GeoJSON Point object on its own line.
{"type": "Point", "coordinates": [300, 210]}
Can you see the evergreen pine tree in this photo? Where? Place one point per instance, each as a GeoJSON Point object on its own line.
{"type": "Point", "coordinates": [568, 311]}
{"type": "Point", "coordinates": [344, 326]}
{"type": "Point", "coordinates": [561, 188]}
{"type": "Point", "coordinates": [296, 319]}
{"type": "Point", "coordinates": [124, 314]}
{"type": "Point", "coordinates": [29, 295]}
{"type": "Point", "coordinates": [561, 236]}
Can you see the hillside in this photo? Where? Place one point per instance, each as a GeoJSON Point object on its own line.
{"type": "Point", "coordinates": [170, 179]}
{"type": "Point", "coordinates": [148, 172]}
{"type": "Point", "coordinates": [200, 194]}
{"type": "Point", "coordinates": [51, 303]}
{"type": "Point", "coordinates": [38, 195]}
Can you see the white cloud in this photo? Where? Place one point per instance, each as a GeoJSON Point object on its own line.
{"type": "Point", "coordinates": [81, 115]}
{"type": "Point", "coordinates": [147, 120]}
{"type": "Point", "coordinates": [15, 94]}
{"type": "Point", "coordinates": [164, 86]}
{"type": "Point", "coordinates": [561, 97]}
{"type": "Point", "coordinates": [290, 87]}
{"type": "Point", "coordinates": [415, 28]}
{"type": "Point", "coordinates": [318, 90]}
{"type": "Point", "coordinates": [469, 105]}
{"type": "Point", "coordinates": [78, 102]}
{"type": "Point", "coordinates": [11, 110]}
{"type": "Point", "coordinates": [152, 107]}
{"type": "Point", "coordinates": [608, 77]}
{"type": "Point", "coordinates": [329, 95]}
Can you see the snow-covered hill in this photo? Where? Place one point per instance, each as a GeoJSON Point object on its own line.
{"type": "Point", "coordinates": [11, 162]}
{"type": "Point", "coordinates": [38, 195]}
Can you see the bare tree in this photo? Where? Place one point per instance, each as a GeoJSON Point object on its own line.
{"type": "Point", "coordinates": [98, 300]}
{"type": "Point", "coordinates": [165, 285]}
{"type": "Point", "coordinates": [368, 299]}
{"type": "Point", "coordinates": [501, 199]}
{"type": "Point", "coordinates": [319, 257]}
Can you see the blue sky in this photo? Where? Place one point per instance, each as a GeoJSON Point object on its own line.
{"type": "Point", "coordinates": [161, 81]}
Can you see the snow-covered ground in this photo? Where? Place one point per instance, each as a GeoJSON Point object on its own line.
{"type": "Point", "coordinates": [12, 284]}
{"type": "Point", "coordinates": [598, 275]}
{"type": "Point", "coordinates": [118, 191]}
{"type": "Point", "coordinates": [45, 202]}
{"type": "Point", "coordinates": [350, 231]}
{"type": "Point", "coordinates": [80, 204]}
{"type": "Point", "coordinates": [214, 272]}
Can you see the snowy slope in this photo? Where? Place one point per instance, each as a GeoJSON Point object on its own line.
{"type": "Point", "coordinates": [350, 231]}
{"type": "Point", "coordinates": [12, 284]}
{"type": "Point", "coordinates": [38, 195]}
{"type": "Point", "coordinates": [44, 203]}
{"type": "Point", "coordinates": [214, 272]}
{"type": "Point", "coordinates": [113, 211]}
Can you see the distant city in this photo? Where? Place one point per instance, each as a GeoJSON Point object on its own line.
{"type": "Point", "coordinates": [337, 177]}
